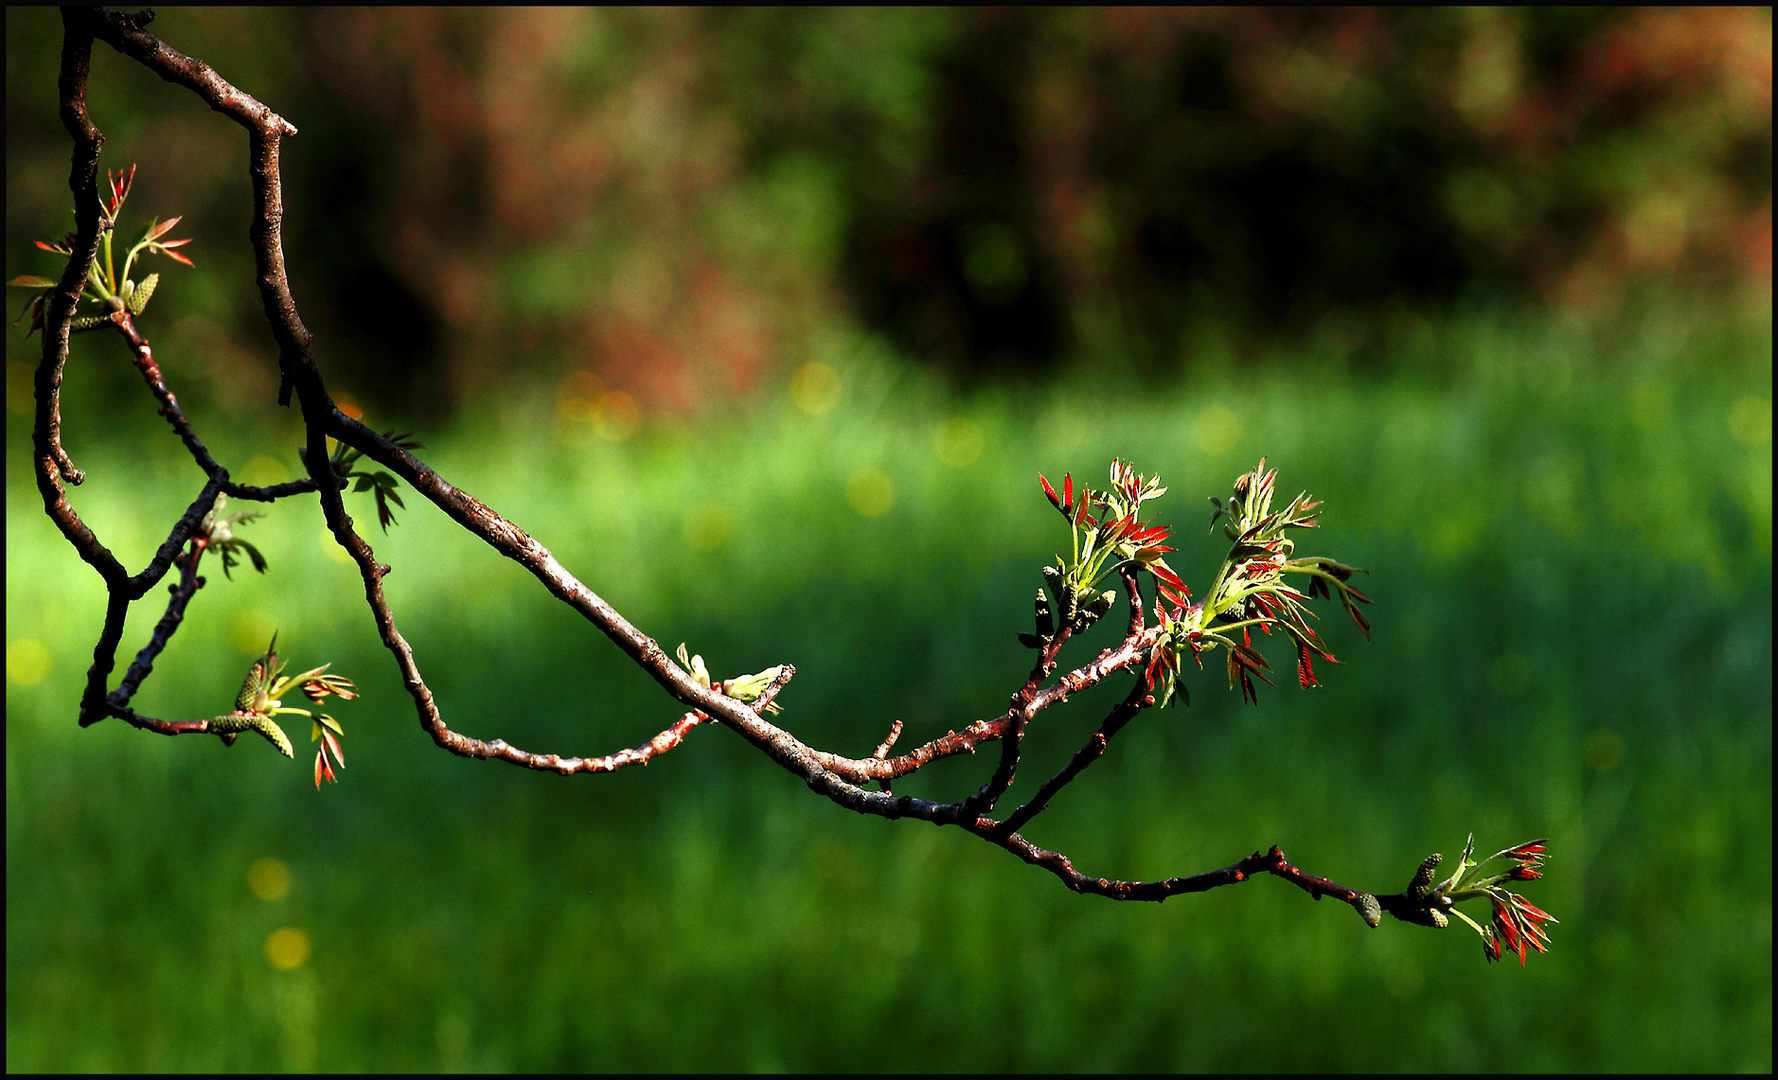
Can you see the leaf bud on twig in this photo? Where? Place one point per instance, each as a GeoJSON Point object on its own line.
{"type": "Point", "coordinates": [1421, 886]}
{"type": "Point", "coordinates": [695, 666]}
{"type": "Point", "coordinates": [1425, 917]}
{"type": "Point", "coordinates": [1369, 910]}
{"type": "Point", "coordinates": [1094, 609]}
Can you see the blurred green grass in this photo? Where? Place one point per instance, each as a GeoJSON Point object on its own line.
{"type": "Point", "coordinates": [1570, 548]}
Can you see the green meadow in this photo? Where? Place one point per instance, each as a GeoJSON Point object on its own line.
{"type": "Point", "coordinates": [1568, 538]}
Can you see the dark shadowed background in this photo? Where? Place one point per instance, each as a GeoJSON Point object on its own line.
{"type": "Point", "coordinates": [765, 322]}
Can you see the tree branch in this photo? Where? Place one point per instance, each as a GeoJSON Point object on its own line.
{"type": "Point", "coordinates": [1109, 537]}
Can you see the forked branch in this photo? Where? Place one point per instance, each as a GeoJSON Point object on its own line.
{"type": "Point", "coordinates": [1108, 539]}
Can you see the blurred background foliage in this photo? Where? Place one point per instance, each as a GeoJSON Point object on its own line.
{"type": "Point", "coordinates": [682, 203]}
{"type": "Point", "coordinates": [763, 321]}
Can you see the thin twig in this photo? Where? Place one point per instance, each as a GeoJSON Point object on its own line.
{"type": "Point", "coordinates": [838, 778]}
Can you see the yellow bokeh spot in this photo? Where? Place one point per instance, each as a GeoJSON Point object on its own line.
{"type": "Point", "coordinates": [264, 472]}
{"type": "Point", "coordinates": [27, 661]}
{"type": "Point", "coordinates": [815, 388]}
{"type": "Point", "coordinates": [1553, 489]}
{"type": "Point", "coordinates": [1651, 406]}
{"type": "Point", "coordinates": [1750, 421]}
{"type": "Point", "coordinates": [1455, 530]}
{"type": "Point", "coordinates": [616, 416]}
{"type": "Point", "coordinates": [331, 547]}
{"type": "Point", "coordinates": [1603, 750]}
{"type": "Point", "coordinates": [871, 492]}
{"type": "Point", "coordinates": [1511, 674]}
{"type": "Point", "coordinates": [1655, 228]}
{"type": "Point", "coordinates": [21, 390]}
{"type": "Point", "coordinates": [577, 394]}
{"type": "Point", "coordinates": [253, 632]}
{"type": "Point", "coordinates": [958, 441]}
{"type": "Point", "coordinates": [708, 527]}
{"type": "Point", "coordinates": [269, 879]}
{"type": "Point", "coordinates": [1216, 429]}
{"type": "Point", "coordinates": [287, 948]}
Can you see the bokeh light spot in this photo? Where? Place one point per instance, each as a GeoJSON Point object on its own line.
{"type": "Point", "coordinates": [27, 661]}
{"type": "Point", "coordinates": [616, 416]}
{"type": "Point", "coordinates": [1651, 406]}
{"type": "Point", "coordinates": [332, 548]}
{"type": "Point", "coordinates": [269, 879]}
{"type": "Point", "coordinates": [1553, 486]}
{"type": "Point", "coordinates": [958, 441]}
{"type": "Point", "coordinates": [994, 263]}
{"type": "Point", "coordinates": [264, 472]}
{"type": "Point", "coordinates": [577, 394]}
{"type": "Point", "coordinates": [1604, 750]}
{"type": "Point", "coordinates": [871, 492]}
{"type": "Point", "coordinates": [287, 948]}
{"type": "Point", "coordinates": [708, 527]}
{"type": "Point", "coordinates": [1216, 429]}
{"type": "Point", "coordinates": [815, 388]}
{"type": "Point", "coordinates": [1750, 421]}
{"type": "Point", "coordinates": [254, 629]}
{"type": "Point", "coordinates": [21, 392]}
{"type": "Point", "coordinates": [1510, 674]}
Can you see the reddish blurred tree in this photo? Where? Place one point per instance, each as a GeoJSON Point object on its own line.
{"type": "Point", "coordinates": [674, 201]}
{"type": "Point", "coordinates": [1006, 189]}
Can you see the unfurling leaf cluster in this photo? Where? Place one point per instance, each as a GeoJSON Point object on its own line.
{"type": "Point", "coordinates": [217, 533]}
{"type": "Point", "coordinates": [105, 282]}
{"type": "Point", "coordinates": [261, 698]}
{"type": "Point", "coordinates": [1114, 539]}
{"type": "Point", "coordinates": [383, 485]}
{"type": "Point", "coordinates": [1250, 591]}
